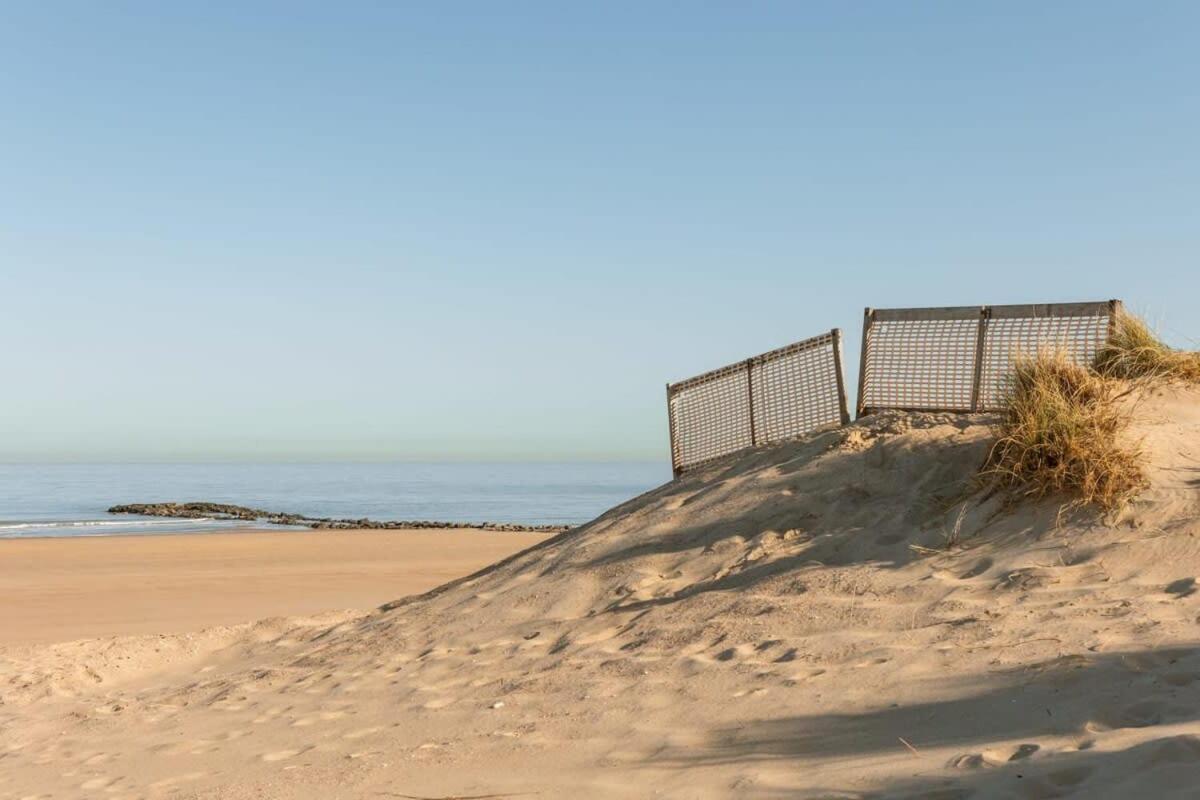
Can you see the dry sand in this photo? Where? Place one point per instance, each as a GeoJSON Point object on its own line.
{"type": "Point", "coordinates": [55, 590]}
{"type": "Point", "coordinates": [786, 625]}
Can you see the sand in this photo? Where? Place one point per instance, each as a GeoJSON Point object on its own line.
{"type": "Point", "coordinates": [787, 624]}
{"type": "Point", "coordinates": [56, 590]}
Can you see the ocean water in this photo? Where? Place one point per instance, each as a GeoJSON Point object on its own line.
{"type": "Point", "coordinates": [71, 499]}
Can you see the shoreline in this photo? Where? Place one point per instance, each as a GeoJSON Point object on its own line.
{"type": "Point", "coordinates": [78, 587]}
{"type": "Point", "coordinates": [258, 528]}
{"type": "Point", "coordinates": [154, 533]}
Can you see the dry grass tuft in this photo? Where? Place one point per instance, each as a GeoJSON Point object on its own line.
{"type": "Point", "coordinates": [1133, 352]}
{"type": "Point", "coordinates": [1064, 433]}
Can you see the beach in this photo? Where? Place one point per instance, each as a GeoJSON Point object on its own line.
{"type": "Point", "coordinates": [60, 589]}
{"type": "Point", "coordinates": [789, 622]}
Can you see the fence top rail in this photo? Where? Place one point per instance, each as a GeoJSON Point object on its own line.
{"type": "Point", "coordinates": [762, 358]}
{"type": "Point", "coordinates": [1022, 310]}
{"type": "Point", "coordinates": [1097, 309]}
{"type": "Point", "coordinates": [938, 312]}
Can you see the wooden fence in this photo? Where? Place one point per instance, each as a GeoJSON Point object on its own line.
{"type": "Point", "coordinates": [955, 358]}
{"type": "Point", "coordinates": [771, 397]}
{"type": "Point", "coordinates": [960, 358]}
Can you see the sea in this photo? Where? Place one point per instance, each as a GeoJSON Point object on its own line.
{"type": "Point", "coordinates": [40, 500]}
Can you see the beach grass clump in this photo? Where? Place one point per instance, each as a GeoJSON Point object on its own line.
{"type": "Point", "coordinates": [1134, 352]}
{"type": "Point", "coordinates": [1064, 433]}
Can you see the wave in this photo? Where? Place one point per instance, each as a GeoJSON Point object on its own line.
{"type": "Point", "coordinates": [101, 523]}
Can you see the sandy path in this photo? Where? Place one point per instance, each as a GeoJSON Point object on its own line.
{"type": "Point", "coordinates": [63, 589]}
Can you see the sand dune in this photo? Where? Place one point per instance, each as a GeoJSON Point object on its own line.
{"type": "Point", "coordinates": [789, 624]}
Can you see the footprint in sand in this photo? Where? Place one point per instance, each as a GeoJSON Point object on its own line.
{"type": "Point", "coordinates": [1073, 558]}
{"type": "Point", "coordinates": [1148, 661]}
{"type": "Point", "coordinates": [1175, 749]}
{"type": "Point", "coordinates": [596, 637]}
{"type": "Point", "coordinates": [978, 568]}
{"type": "Point", "coordinates": [1026, 578]}
{"type": "Point", "coordinates": [169, 748]}
{"type": "Point", "coordinates": [439, 702]}
{"type": "Point", "coordinates": [230, 736]}
{"type": "Point", "coordinates": [717, 486]}
{"type": "Point", "coordinates": [1139, 715]}
{"type": "Point", "coordinates": [267, 716]}
{"type": "Point", "coordinates": [102, 782]}
{"type": "Point", "coordinates": [1180, 678]}
{"type": "Point", "coordinates": [1184, 587]}
{"type": "Point", "coordinates": [187, 777]}
{"type": "Point", "coordinates": [283, 755]}
{"type": "Point", "coordinates": [361, 732]}
{"type": "Point", "coordinates": [1000, 755]}
{"type": "Point", "coordinates": [363, 754]}
{"type": "Point", "coordinates": [968, 761]}
{"type": "Point", "coordinates": [313, 719]}
{"type": "Point", "coordinates": [1070, 776]}
{"type": "Point", "coordinates": [1024, 751]}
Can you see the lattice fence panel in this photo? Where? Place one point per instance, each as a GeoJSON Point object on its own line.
{"type": "Point", "coordinates": [960, 358]}
{"type": "Point", "coordinates": [921, 361]}
{"type": "Point", "coordinates": [771, 397]}
{"type": "Point", "coordinates": [711, 418]}
{"type": "Point", "coordinates": [1080, 331]}
{"type": "Point", "coordinates": [796, 390]}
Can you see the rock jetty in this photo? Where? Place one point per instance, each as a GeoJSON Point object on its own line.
{"type": "Point", "coordinates": [232, 512]}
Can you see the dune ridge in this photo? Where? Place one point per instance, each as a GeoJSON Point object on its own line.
{"type": "Point", "coordinates": [848, 616]}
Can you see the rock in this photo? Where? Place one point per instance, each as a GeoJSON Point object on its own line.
{"type": "Point", "coordinates": [225, 511]}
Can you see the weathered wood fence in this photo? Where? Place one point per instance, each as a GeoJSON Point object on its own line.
{"type": "Point", "coordinates": [771, 397]}
{"type": "Point", "coordinates": [932, 359]}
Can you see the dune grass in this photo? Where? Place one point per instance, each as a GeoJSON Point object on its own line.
{"type": "Point", "coordinates": [1134, 352]}
{"type": "Point", "coordinates": [1064, 433]}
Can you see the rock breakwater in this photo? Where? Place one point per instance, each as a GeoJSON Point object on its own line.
{"type": "Point", "coordinates": [226, 511]}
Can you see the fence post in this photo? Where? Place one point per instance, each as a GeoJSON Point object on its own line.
{"type": "Point", "coordinates": [750, 399]}
{"type": "Point", "coordinates": [841, 379]}
{"type": "Point", "coordinates": [985, 312]}
{"type": "Point", "coordinates": [675, 470]}
{"type": "Point", "coordinates": [860, 409]}
{"type": "Point", "coordinates": [1114, 310]}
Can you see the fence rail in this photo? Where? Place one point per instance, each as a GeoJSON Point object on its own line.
{"type": "Point", "coordinates": [778, 395]}
{"type": "Point", "coordinates": [960, 358]}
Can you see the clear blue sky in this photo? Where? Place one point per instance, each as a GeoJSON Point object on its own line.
{"type": "Point", "coordinates": [399, 230]}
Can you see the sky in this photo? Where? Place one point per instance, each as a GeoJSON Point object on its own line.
{"type": "Point", "coordinates": [445, 230]}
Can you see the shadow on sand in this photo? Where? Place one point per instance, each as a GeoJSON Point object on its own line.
{"type": "Point", "coordinates": [1038, 733]}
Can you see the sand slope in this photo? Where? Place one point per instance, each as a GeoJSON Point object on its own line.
{"type": "Point", "coordinates": [764, 628]}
